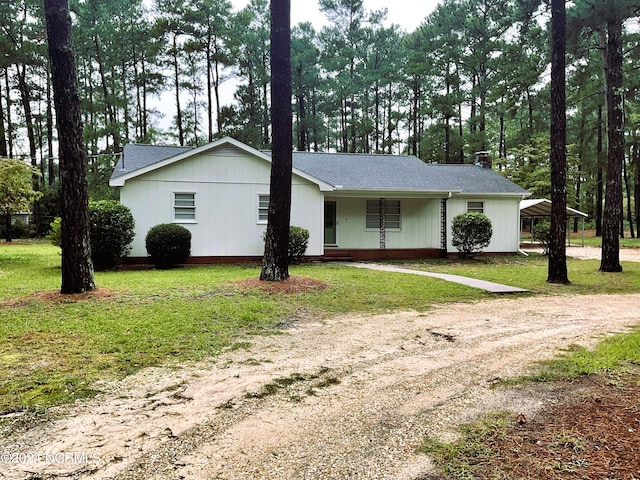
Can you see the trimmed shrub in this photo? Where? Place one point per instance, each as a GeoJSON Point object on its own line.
{"type": "Point", "coordinates": [168, 244]}
{"type": "Point", "coordinates": [471, 232]}
{"type": "Point", "coordinates": [542, 233]}
{"type": "Point", "coordinates": [298, 243]}
{"type": "Point", "coordinates": [111, 232]}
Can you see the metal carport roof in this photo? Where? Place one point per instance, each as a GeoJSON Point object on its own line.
{"type": "Point", "coordinates": [541, 207]}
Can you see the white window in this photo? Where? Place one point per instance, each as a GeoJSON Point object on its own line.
{"type": "Point", "coordinates": [477, 207]}
{"type": "Point", "coordinates": [392, 217]}
{"type": "Point", "coordinates": [184, 207]}
{"type": "Point", "coordinates": [263, 208]}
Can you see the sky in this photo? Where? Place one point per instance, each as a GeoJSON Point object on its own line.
{"type": "Point", "coordinates": [409, 14]}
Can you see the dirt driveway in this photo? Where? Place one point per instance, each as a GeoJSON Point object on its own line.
{"type": "Point", "coordinates": [594, 253]}
{"type": "Point", "coordinates": [352, 397]}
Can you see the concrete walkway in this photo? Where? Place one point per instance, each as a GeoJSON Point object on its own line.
{"type": "Point", "coordinates": [470, 282]}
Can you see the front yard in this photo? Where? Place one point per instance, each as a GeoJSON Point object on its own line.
{"type": "Point", "coordinates": [53, 348]}
{"type": "Point", "coordinates": [56, 349]}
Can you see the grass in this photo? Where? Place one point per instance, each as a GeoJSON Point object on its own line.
{"type": "Point", "coordinates": [611, 354]}
{"type": "Point", "coordinates": [484, 448]}
{"type": "Point", "coordinates": [531, 273]}
{"type": "Point", "coordinates": [458, 459]}
{"type": "Point", "coordinates": [53, 352]}
{"type": "Point", "coordinates": [475, 448]}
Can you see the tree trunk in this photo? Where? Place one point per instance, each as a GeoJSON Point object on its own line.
{"type": "Point", "coordinates": [557, 271]}
{"type": "Point", "coordinates": [125, 113]}
{"type": "Point", "coordinates": [615, 155]}
{"type": "Point", "coordinates": [600, 176]}
{"type": "Point", "coordinates": [25, 95]}
{"type": "Point", "coordinates": [209, 87]}
{"type": "Point", "coordinates": [578, 190]}
{"type": "Point", "coordinates": [636, 184]}
{"type": "Point", "coordinates": [627, 186]}
{"type": "Point", "coordinates": [3, 134]}
{"type": "Point", "coordinates": [216, 87]}
{"type": "Point", "coordinates": [77, 269]}
{"type": "Point", "coordinates": [7, 228]}
{"type": "Point", "coordinates": [176, 78]}
{"type": "Point", "coordinates": [275, 265]}
{"type": "Point", "coordinates": [377, 120]}
{"type": "Point", "coordinates": [447, 118]}
{"type": "Point", "coordinates": [145, 117]}
{"type": "Point", "coordinates": [9, 116]}
{"type": "Point", "coordinates": [314, 114]}
{"type": "Point", "coordinates": [415, 139]}
{"type": "Point", "coordinates": [502, 142]}
{"type": "Point", "coordinates": [137, 83]}
{"type": "Point", "coordinates": [110, 115]}
{"type": "Point", "coordinates": [51, 174]}
{"type": "Point", "coordinates": [265, 106]}
{"type": "Point", "coordinates": [460, 135]}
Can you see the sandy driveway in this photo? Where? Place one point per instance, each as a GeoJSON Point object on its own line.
{"type": "Point", "coordinates": [352, 397]}
{"type": "Point", "coordinates": [594, 253]}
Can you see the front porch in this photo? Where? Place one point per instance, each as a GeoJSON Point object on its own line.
{"type": "Point", "coordinates": [368, 254]}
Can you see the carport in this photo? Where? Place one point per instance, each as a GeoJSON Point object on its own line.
{"type": "Point", "coordinates": [541, 208]}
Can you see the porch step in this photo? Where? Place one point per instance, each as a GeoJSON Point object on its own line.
{"type": "Point", "coordinates": [336, 258]}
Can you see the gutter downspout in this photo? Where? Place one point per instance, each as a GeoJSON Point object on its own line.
{"type": "Point", "coordinates": [520, 251]}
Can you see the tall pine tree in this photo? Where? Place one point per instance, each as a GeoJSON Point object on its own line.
{"type": "Point", "coordinates": [275, 265]}
{"type": "Point", "coordinates": [77, 268]}
{"type": "Point", "coordinates": [557, 272]}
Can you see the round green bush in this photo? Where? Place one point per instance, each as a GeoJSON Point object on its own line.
{"type": "Point", "coordinates": [168, 244]}
{"type": "Point", "coordinates": [542, 233]}
{"type": "Point", "coordinates": [111, 231]}
{"type": "Point", "coordinates": [471, 232]}
{"type": "Point", "coordinates": [298, 242]}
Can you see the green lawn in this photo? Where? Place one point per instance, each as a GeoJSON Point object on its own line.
{"type": "Point", "coordinates": [53, 352]}
{"type": "Point", "coordinates": [531, 273]}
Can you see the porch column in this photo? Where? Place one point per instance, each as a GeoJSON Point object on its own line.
{"type": "Point", "coordinates": [443, 223]}
{"type": "Point", "coordinates": [383, 224]}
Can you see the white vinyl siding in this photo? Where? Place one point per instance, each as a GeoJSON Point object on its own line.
{"type": "Point", "coordinates": [226, 182]}
{"type": "Point", "coordinates": [263, 208]}
{"type": "Point", "coordinates": [184, 207]}
{"type": "Point", "coordinates": [477, 207]}
{"type": "Point", "coordinates": [392, 215]}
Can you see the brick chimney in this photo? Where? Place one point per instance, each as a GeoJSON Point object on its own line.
{"type": "Point", "coordinates": [483, 159]}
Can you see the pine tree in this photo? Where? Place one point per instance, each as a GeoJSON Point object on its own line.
{"type": "Point", "coordinates": [557, 271]}
{"type": "Point", "coordinates": [77, 268]}
{"type": "Point", "coordinates": [275, 265]}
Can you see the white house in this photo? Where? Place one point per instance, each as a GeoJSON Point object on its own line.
{"type": "Point", "coordinates": [357, 206]}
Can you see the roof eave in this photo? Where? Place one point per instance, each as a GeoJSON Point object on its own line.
{"type": "Point", "coordinates": [520, 195]}
{"type": "Point", "coordinates": [393, 191]}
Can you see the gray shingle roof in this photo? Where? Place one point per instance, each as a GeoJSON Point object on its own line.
{"type": "Point", "coordinates": [365, 172]}
{"type": "Point", "coordinates": [397, 172]}
{"type": "Point", "coordinates": [357, 172]}
{"type": "Point", "coordinates": [472, 179]}
{"type": "Point", "coordinates": [135, 156]}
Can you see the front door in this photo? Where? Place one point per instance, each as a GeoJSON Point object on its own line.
{"type": "Point", "coordinates": [330, 222]}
